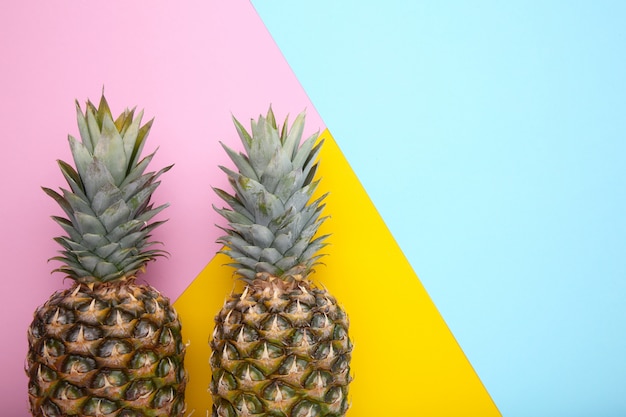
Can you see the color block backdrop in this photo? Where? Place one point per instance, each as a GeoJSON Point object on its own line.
{"type": "Point", "coordinates": [490, 139]}
{"type": "Point", "coordinates": [190, 67]}
{"type": "Point", "coordinates": [193, 67]}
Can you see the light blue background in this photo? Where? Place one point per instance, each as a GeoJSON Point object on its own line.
{"type": "Point", "coordinates": [491, 138]}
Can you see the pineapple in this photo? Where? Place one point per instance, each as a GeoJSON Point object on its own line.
{"type": "Point", "coordinates": [107, 346]}
{"type": "Point", "coordinates": [280, 346]}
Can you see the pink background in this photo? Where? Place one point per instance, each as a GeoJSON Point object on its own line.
{"type": "Point", "coordinates": [188, 67]}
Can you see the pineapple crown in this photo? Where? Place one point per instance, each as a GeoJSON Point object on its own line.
{"type": "Point", "coordinates": [272, 222]}
{"type": "Point", "coordinates": [108, 204]}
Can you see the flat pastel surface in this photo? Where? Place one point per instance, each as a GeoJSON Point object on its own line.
{"type": "Point", "coordinates": [189, 67]}
{"type": "Point", "coordinates": [490, 136]}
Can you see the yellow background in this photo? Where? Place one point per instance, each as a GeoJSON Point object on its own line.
{"type": "Point", "coordinates": [406, 361]}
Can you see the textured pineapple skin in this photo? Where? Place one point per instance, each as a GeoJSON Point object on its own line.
{"type": "Point", "coordinates": [280, 352]}
{"type": "Point", "coordinates": [111, 350]}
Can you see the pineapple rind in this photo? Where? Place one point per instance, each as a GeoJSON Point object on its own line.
{"type": "Point", "coordinates": [303, 324]}
{"type": "Point", "coordinates": [120, 346]}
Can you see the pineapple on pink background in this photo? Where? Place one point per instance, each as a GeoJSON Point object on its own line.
{"type": "Point", "coordinates": [188, 67]}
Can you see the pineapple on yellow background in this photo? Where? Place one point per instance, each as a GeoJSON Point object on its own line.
{"type": "Point", "coordinates": [107, 346]}
{"type": "Point", "coordinates": [280, 346]}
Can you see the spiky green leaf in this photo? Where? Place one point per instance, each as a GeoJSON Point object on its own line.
{"type": "Point", "coordinates": [116, 214]}
{"type": "Point", "coordinates": [87, 223]}
{"type": "Point", "coordinates": [272, 223]}
{"type": "Point", "coordinates": [241, 162]}
{"type": "Point", "coordinates": [110, 150]}
{"type": "Point", "coordinates": [73, 179]}
{"type": "Point", "coordinates": [294, 136]}
{"type": "Point", "coordinates": [270, 255]}
{"type": "Point", "coordinates": [234, 203]}
{"type": "Point", "coordinates": [109, 214]}
{"type": "Point", "coordinates": [283, 242]}
{"type": "Point", "coordinates": [303, 153]}
{"type": "Point", "coordinates": [245, 137]}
